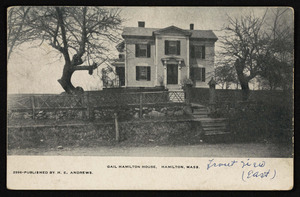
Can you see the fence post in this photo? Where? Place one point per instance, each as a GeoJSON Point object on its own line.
{"type": "Point", "coordinates": [86, 105]}
{"type": "Point", "coordinates": [141, 105]}
{"type": "Point", "coordinates": [89, 107]}
{"type": "Point", "coordinates": [83, 115]}
{"type": "Point", "coordinates": [117, 127]}
{"type": "Point", "coordinates": [33, 107]}
{"type": "Point", "coordinates": [187, 91]}
{"type": "Point", "coordinates": [212, 94]}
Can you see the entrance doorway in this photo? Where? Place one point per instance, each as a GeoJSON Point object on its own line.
{"type": "Point", "coordinates": [121, 73]}
{"type": "Point", "coordinates": [172, 74]}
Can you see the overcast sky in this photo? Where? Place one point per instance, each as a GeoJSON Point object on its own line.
{"type": "Point", "coordinates": [36, 70]}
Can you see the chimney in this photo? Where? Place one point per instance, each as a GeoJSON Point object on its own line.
{"type": "Point", "coordinates": [141, 24]}
{"type": "Point", "coordinates": [191, 26]}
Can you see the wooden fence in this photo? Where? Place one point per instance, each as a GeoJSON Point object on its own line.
{"type": "Point", "coordinates": [277, 97]}
{"type": "Point", "coordinates": [88, 102]}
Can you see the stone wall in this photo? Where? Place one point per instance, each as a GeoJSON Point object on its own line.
{"type": "Point", "coordinates": [147, 112]}
{"type": "Point", "coordinates": [131, 134]}
{"type": "Point", "coordinates": [125, 113]}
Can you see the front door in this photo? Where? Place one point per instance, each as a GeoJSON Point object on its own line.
{"type": "Point", "coordinates": [121, 73]}
{"type": "Point", "coordinates": [172, 74]}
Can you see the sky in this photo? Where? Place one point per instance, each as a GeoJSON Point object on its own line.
{"type": "Point", "coordinates": [37, 69]}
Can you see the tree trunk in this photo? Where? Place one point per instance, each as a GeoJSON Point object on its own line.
{"type": "Point", "coordinates": [65, 80]}
{"type": "Point", "coordinates": [245, 90]}
{"type": "Point", "coordinates": [245, 86]}
{"type": "Point", "coordinates": [244, 82]}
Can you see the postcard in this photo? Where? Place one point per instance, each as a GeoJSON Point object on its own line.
{"type": "Point", "coordinates": [150, 98]}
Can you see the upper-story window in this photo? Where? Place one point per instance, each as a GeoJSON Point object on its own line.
{"type": "Point", "coordinates": [197, 51]}
{"type": "Point", "coordinates": [142, 50]}
{"type": "Point", "coordinates": [121, 56]}
{"type": "Point", "coordinates": [172, 47]}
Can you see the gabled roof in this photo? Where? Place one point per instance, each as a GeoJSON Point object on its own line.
{"type": "Point", "coordinates": [148, 32]}
{"type": "Point", "coordinates": [172, 29]}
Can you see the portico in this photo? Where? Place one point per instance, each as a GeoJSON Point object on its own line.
{"type": "Point", "coordinates": [172, 70]}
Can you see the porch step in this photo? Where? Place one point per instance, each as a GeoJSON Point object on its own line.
{"type": "Point", "coordinates": [210, 133]}
{"type": "Point", "coordinates": [210, 126]}
{"type": "Point", "coordinates": [197, 106]}
{"type": "Point", "coordinates": [214, 124]}
{"type": "Point", "coordinates": [210, 119]}
{"type": "Point", "coordinates": [215, 130]}
{"type": "Point", "coordinates": [199, 116]}
{"type": "Point", "coordinates": [214, 127]}
{"type": "Point", "coordinates": [199, 111]}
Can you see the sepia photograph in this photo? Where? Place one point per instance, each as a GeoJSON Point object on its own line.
{"type": "Point", "coordinates": [207, 85]}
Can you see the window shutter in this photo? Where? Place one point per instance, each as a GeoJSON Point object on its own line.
{"type": "Point", "coordinates": [197, 74]}
{"type": "Point", "coordinates": [178, 47]}
{"type": "Point", "coordinates": [203, 52]}
{"type": "Point", "coordinates": [192, 70]}
{"type": "Point", "coordinates": [148, 73]}
{"type": "Point", "coordinates": [192, 51]}
{"type": "Point", "coordinates": [148, 50]}
{"type": "Point", "coordinates": [137, 50]}
{"type": "Point", "coordinates": [166, 47]}
{"type": "Point", "coordinates": [137, 73]}
{"type": "Point", "coordinates": [203, 74]}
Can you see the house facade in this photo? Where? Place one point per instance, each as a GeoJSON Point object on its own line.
{"type": "Point", "coordinates": [152, 57]}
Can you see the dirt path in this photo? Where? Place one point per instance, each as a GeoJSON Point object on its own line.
{"type": "Point", "coordinates": [202, 150]}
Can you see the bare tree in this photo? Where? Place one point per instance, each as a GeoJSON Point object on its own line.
{"type": "Point", "coordinates": [243, 43]}
{"type": "Point", "coordinates": [16, 18]}
{"type": "Point", "coordinates": [256, 48]}
{"type": "Point", "coordinates": [82, 35]}
{"type": "Point", "coordinates": [278, 57]}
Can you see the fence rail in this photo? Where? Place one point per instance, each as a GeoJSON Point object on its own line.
{"type": "Point", "coordinates": [88, 102]}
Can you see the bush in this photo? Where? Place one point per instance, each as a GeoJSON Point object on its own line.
{"type": "Point", "coordinates": [261, 122]}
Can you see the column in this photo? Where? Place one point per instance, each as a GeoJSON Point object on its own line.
{"type": "Point", "coordinates": [125, 65]}
{"type": "Point", "coordinates": [156, 64]}
{"type": "Point", "coordinates": [188, 58]}
{"type": "Point", "coordinates": [165, 73]}
{"type": "Point", "coordinates": [179, 72]}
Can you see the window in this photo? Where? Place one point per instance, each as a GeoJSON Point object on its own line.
{"type": "Point", "coordinates": [198, 74]}
{"type": "Point", "coordinates": [172, 47]}
{"type": "Point", "coordinates": [197, 51]}
{"type": "Point", "coordinates": [142, 50]}
{"type": "Point", "coordinates": [143, 73]}
{"type": "Point", "coordinates": [121, 56]}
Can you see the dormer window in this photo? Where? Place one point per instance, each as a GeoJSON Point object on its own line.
{"type": "Point", "coordinates": [172, 47]}
{"type": "Point", "coordinates": [142, 50]}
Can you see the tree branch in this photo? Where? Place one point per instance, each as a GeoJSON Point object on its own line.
{"type": "Point", "coordinates": [17, 34]}
{"type": "Point", "coordinates": [63, 32]}
{"type": "Point", "coordinates": [92, 67]}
